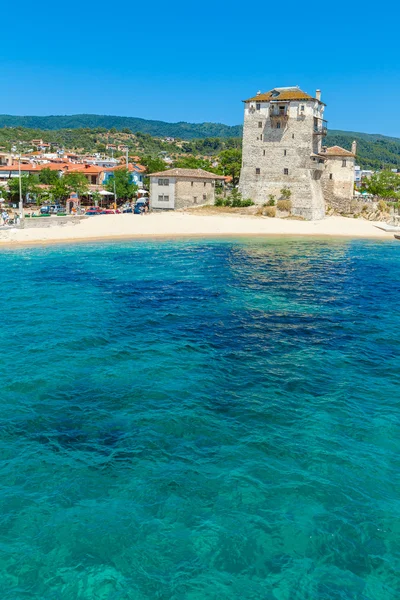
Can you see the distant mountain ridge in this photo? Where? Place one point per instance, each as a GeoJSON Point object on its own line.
{"type": "Point", "coordinates": [374, 151]}
{"type": "Point", "coordinates": [182, 130]}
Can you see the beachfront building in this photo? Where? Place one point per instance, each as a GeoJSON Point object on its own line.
{"type": "Point", "coordinates": [338, 177]}
{"type": "Point", "coordinates": [179, 188]}
{"type": "Point", "coordinates": [282, 150]}
{"type": "Point", "coordinates": [136, 172]}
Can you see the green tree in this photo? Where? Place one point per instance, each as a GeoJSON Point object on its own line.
{"type": "Point", "coordinates": [76, 182]}
{"type": "Point", "coordinates": [191, 162]}
{"type": "Point", "coordinates": [124, 188]}
{"type": "Point", "coordinates": [68, 184]}
{"type": "Point", "coordinates": [385, 184]}
{"type": "Point", "coordinates": [59, 190]}
{"type": "Point", "coordinates": [48, 177]}
{"type": "Point", "coordinates": [96, 198]}
{"type": "Point", "coordinates": [153, 164]}
{"type": "Point", "coordinates": [230, 163]}
{"type": "Point", "coordinates": [29, 187]}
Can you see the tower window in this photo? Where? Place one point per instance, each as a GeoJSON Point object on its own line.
{"type": "Point", "coordinates": [263, 152]}
{"type": "Point", "coordinates": [204, 196]}
{"type": "Point", "coordinates": [259, 124]}
{"type": "Point", "coordinates": [261, 137]}
{"type": "Point", "coordinates": [258, 106]}
{"type": "Point", "coordinates": [344, 163]}
{"type": "Point", "coordinates": [330, 176]}
{"type": "Point", "coordinates": [191, 183]}
{"type": "Point", "coordinates": [278, 125]}
{"type": "Point", "coordinates": [284, 153]}
{"type": "Point", "coordinates": [302, 108]}
{"type": "Point", "coordinates": [286, 171]}
{"type": "Point", "coordinates": [292, 136]}
{"type": "Point", "coordinates": [257, 171]}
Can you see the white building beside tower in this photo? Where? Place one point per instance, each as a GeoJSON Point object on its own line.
{"type": "Point", "coordinates": [282, 148]}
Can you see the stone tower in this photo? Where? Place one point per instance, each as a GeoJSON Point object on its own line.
{"type": "Point", "coordinates": [282, 142]}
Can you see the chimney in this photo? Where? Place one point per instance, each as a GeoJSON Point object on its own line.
{"type": "Point", "coordinates": [354, 147]}
{"type": "Point", "coordinates": [318, 95]}
{"type": "Point", "coordinates": [259, 92]}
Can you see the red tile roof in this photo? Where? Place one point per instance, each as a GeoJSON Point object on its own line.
{"type": "Point", "coordinates": [84, 168]}
{"type": "Point", "coordinates": [337, 151]}
{"type": "Point", "coordinates": [281, 94]}
{"type": "Point", "coordinates": [15, 167]}
{"type": "Point", "coordinates": [131, 168]}
{"type": "Point", "coordinates": [53, 166]}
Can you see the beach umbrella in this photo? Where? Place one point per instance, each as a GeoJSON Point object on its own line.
{"type": "Point", "coordinates": [105, 193]}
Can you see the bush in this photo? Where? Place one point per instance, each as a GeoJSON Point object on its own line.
{"type": "Point", "coordinates": [284, 205]}
{"type": "Point", "coordinates": [237, 203]}
{"type": "Point", "coordinates": [270, 211]}
{"type": "Point", "coordinates": [382, 206]}
{"type": "Point", "coordinates": [234, 199]}
{"type": "Point", "coordinates": [271, 201]}
{"type": "Point", "coordinates": [285, 193]}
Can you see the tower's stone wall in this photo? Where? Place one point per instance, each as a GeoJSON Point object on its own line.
{"type": "Point", "coordinates": [278, 152]}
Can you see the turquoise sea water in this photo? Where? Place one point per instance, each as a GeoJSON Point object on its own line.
{"type": "Point", "coordinates": [200, 420]}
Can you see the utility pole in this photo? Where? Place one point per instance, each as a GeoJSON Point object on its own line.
{"type": "Point", "coordinates": [21, 204]}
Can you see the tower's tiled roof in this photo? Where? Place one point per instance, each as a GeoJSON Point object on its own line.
{"type": "Point", "coordinates": [286, 93]}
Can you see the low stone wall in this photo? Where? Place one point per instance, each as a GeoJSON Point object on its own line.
{"type": "Point", "coordinates": [30, 223]}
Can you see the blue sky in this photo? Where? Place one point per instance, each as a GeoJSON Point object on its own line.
{"type": "Point", "coordinates": [181, 61]}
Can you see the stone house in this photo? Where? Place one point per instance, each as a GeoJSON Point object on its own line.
{"type": "Point", "coordinates": [178, 188]}
{"type": "Point", "coordinates": [338, 177]}
{"type": "Point", "coordinates": [282, 149]}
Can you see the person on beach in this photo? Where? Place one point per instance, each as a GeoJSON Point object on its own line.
{"type": "Point", "coordinates": [5, 217]}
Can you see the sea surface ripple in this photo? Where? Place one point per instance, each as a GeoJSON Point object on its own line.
{"type": "Point", "coordinates": [200, 420]}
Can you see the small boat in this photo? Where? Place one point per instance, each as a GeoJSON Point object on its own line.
{"type": "Point", "coordinates": [397, 237]}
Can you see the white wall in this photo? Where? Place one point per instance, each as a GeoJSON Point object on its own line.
{"type": "Point", "coordinates": [157, 190]}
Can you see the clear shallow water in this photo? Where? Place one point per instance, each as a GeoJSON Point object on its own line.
{"type": "Point", "coordinates": [200, 420]}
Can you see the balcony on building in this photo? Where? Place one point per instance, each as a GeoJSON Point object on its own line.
{"type": "Point", "coordinates": [279, 110]}
{"type": "Point", "coordinates": [320, 126]}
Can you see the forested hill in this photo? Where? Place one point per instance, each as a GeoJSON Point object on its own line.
{"type": "Point", "coordinates": [182, 130]}
{"type": "Point", "coordinates": [374, 151]}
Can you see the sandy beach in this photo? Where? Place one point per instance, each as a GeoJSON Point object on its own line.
{"type": "Point", "coordinates": [181, 224]}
